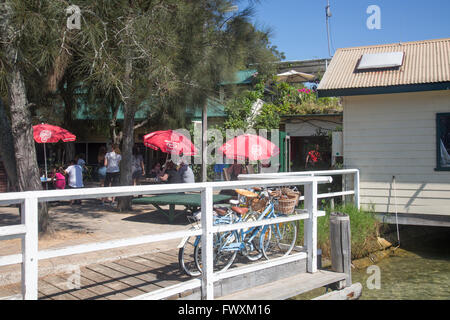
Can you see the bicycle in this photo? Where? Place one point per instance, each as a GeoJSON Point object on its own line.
{"type": "Point", "coordinates": [270, 241]}
{"type": "Point", "coordinates": [186, 247]}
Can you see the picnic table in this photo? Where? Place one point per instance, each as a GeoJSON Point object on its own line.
{"type": "Point", "coordinates": [192, 202]}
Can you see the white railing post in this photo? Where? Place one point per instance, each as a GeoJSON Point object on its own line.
{"type": "Point", "coordinates": [207, 245]}
{"type": "Point", "coordinates": [30, 249]}
{"type": "Point", "coordinates": [356, 188]}
{"type": "Point", "coordinates": [310, 228]}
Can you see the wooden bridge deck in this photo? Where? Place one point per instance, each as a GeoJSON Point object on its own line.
{"type": "Point", "coordinates": [133, 276]}
{"type": "Point", "coordinates": [117, 280]}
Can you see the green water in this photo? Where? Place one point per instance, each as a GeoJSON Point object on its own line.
{"type": "Point", "coordinates": [419, 270]}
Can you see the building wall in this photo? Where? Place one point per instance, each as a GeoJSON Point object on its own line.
{"type": "Point", "coordinates": [390, 135]}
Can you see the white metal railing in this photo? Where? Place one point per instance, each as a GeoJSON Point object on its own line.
{"type": "Point", "coordinates": [354, 172]}
{"type": "Point", "coordinates": [28, 229]}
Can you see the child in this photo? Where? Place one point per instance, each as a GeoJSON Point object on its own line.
{"type": "Point", "coordinates": [58, 178]}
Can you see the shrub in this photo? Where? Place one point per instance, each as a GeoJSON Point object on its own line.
{"type": "Point", "coordinates": [364, 229]}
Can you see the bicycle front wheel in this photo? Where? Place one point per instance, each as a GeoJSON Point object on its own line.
{"type": "Point", "coordinates": [186, 258]}
{"type": "Point", "coordinates": [224, 251]}
{"type": "Point", "coordinates": [279, 240]}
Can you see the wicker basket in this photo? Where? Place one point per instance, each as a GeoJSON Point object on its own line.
{"type": "Point", "coordinates": [294, 194]}
{"type": "Point", "coordinates": [258, 204]}
{"type": "Point", "coordinates": [246, 193]}
{"type": "Point", "coordinates": [285, 206]}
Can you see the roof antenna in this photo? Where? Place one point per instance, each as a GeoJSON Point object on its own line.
{"type": "Point", "coordinates": [328, 15]}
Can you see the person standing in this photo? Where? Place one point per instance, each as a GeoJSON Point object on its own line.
{"type": "Point", "coordinates": [112, 164]}
{"type": "Point", "coordinates": [138, 165]}
{"type": "Point", "coordinates": [75, 180]}
{"type": "Point", "coordinates": [313, 158]}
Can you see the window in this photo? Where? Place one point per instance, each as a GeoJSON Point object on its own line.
{"type": "Point", "coordinates": [443, 141]}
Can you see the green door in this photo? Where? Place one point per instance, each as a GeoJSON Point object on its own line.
{"type": "Point", "coordinates": [284, 152]}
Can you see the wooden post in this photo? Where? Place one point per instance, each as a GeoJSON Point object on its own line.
{"type": "Point", "coordinates": [207, 245]}
{"type": "Point", "coordinates": [30, 250]}
{"type": "Point", "coordinates": [341, 244]}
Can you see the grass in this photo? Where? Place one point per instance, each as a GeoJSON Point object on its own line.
{"type": "Point", "coordinates": [364, 230]}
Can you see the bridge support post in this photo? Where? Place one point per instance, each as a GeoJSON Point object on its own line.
{"type": "Point", "coordinates": [207, 245]}
{"type": "Point", "coordinates": [30, 249]}
{"type": "Point", "coordinates": [310, 230]}
{"type": "Point", "coordinates": [340, 239]}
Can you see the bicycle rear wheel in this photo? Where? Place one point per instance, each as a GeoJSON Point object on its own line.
{"type": "Point", "coordinates": [186, 258]}
{"type": "Point", "coordinates": [224, 251]}
{"type": "Point", "coordinates": [280, 241]}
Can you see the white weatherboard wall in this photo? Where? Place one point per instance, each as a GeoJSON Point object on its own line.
{"type": "Point", "coordinates": [389, 135]}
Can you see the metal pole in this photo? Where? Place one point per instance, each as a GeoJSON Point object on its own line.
{"type": "Point", "coordinates": [45, 161]}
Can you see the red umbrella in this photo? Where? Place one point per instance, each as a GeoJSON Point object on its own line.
{"type": "Point", "coordinates": [47, 133]}
{"type": "Point", "coordinates": [170, 141]}
{"type": "Point", "coordinates": [249, 146]}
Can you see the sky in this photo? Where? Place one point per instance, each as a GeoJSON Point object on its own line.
{"type": "Point", "coordinates": [299, 26]}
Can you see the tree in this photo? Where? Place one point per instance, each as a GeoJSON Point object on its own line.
{"type": "Point", "coordinates": [30, 40]}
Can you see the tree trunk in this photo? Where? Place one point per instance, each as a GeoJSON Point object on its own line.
{"type": "Point", "coordinates": [126, 179]}
{"type": "Point", "coordinates": [129, 112]}
{"type": "Point", "coordinates": [22, 131]}
{"type": "Point", "coordinates": [21, 126]}
{"type": "Point", "coordinates": [7, 148]}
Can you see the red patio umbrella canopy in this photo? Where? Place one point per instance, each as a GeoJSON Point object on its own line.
{"type": "Point", "coordinates": [170, 141]}
{"type": "Point", "coordinates": [249, 146]}
{"type": "Point", "coordinates": [47, 133]}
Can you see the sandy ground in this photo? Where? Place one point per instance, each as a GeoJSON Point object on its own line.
{"type": "Point", "coordinates": [86, 223]}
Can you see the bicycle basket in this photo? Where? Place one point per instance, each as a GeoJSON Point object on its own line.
{"type": "Point", "coordinates": [285, 206]}
{"type": "Point", "coordinates": [259, 204]}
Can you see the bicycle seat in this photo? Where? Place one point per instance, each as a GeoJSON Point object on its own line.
{"type": "Point", "coordinates": [240, 211]}
{"type": "Point", "coordinates": [257, 189]}
{"type": "Point", "coordinates": [220, 211]}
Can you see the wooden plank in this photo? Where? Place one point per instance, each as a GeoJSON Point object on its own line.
{"type": "Point", "coordinates": [168, 276]}
{"type": "Point", "coordinates": [287, 287]}
{"type": "Point", "coordinates": [52, 292]}
{"type": "Point", "coordinates": [145, 273]}
{"type": "Point", "coordinates": [95, 274]}
{"type": "Point", "coordinates": [79, 293]}
{"type": "Point", "coordinates": [137, 278]}
{"type": "Point", "coordinates": [130, 281]}
{"type": "Point", "coordinates": [101, 289]}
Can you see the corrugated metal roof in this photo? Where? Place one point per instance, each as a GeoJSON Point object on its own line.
{"type": "Point", "coordinates": [424, 62]}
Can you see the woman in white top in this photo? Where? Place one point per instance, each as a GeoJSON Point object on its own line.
{"type": "Point", "coordinates": [112, 164]}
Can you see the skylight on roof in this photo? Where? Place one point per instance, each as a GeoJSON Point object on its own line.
{"type": "Point", "coordinates": [380, 60]}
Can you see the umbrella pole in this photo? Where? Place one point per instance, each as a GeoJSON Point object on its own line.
{"type": "Point", "coordinates": [45, 161]}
